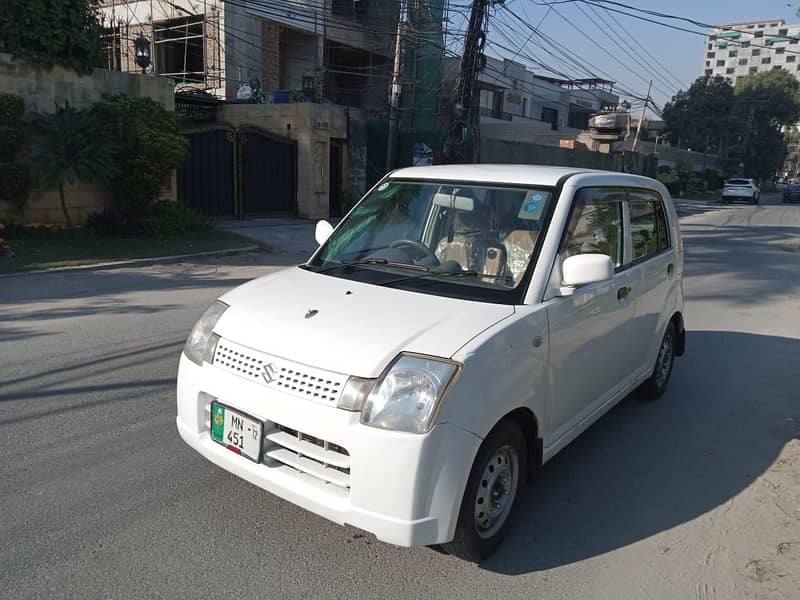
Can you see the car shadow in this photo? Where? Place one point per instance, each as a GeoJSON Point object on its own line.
{"type": "Point", "coordinates": [647, 467]}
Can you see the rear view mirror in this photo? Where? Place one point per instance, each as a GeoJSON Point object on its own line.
{"type": "Point", "coordinates": [583, 269]}
{"type": "Point", "coordinates": [322, 231]}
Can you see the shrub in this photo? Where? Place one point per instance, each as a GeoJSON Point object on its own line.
{"type": "Point", "coordinates": [170, 218]}
{"type": "Point", "coordinates": [14, 183]}
{"type": "Point", "coordinates": [12, 109]}
{"type": "Point", "coordinates": [53, 32]}
{"type": "Point", "coordinates": [150, 149]}
{"type": "Point", "coordinates": [713, 179]}
{"type": "Point", "coordinates": [671, 182]}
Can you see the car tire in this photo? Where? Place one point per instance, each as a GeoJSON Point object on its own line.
{"type": "Point", "coordinates": [497, 478]}
{"type": "Point", "coordinates": [653, 388]}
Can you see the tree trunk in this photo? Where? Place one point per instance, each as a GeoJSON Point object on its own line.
{"type": "Point", "coordinates": [64, 205]}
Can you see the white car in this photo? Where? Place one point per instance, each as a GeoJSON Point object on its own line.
{"type": "Point", "coordinates": [457, 329]}
{"type": "Point", "coordinates": [741, 189]}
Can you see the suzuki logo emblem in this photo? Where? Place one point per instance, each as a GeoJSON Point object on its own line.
{"type": "Point", "coordinates": [270, 372]}
{"type": "Point", "coordinates": [311, 312]}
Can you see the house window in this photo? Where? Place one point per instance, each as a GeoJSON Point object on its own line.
{"type": "Point", "coordinates": [179, 48]}
{"type": "Point", "coordinates": [708, 63]}
{"type": "Point", "coordinates": [745, 44]}
{"type": "Point", "coordinates": [753, 70]}
{"type": "Point", "coordinates": [756, 52]}
{"type": "Point", "coordinates": [550, 115]}
{"type": "Point", "coordinates": [766, 60]}
{"type": "Point", "coordinates": [742, 61]}
{"type": "Point", "coordinates": [720, 63]}
{"type": "Point", "coordinates": [776, 67]}
{"type": "Point", "coordinates": [733, 53]}
{"type": "Point", "coordinates": [780, 50]}
{"type": "Point", "coordinates": [759, 34]}
{"type": "Point", "coordinates": [710, 72]}
{"type": "Point", "coordinates": [730, 70]}
{"type": "Point", "coordinates": [783, 32]}
{"type": "Point", "coordinates": [794, 40]}
{"type": "Point", "coordinates": [713, 38]}
{"type": "Point", "coordinates": [711, 46]}
{"type": "Point", "coordinates": [791, 58]}
{"type": "Point", "coordinates": [710, 55]}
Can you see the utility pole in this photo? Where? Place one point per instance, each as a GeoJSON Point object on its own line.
{"type": "Point", "coordinates": [394, 92]}
{"type": "Point", "coordinates": [461, 144]}
{"type": "Point", "coordinates": [644, 110]}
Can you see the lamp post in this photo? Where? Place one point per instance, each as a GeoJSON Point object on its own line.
{"type": "Point", "coordinates": [141, 47]}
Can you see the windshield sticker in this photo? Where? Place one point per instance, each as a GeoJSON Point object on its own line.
{"type": "Point", "coordinates": [383, 186]}
{"type": "Point", "coordinates": [532, 207]}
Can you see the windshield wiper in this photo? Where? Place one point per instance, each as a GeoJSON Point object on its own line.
{"type": "Point", "coordinates": [471, 273]}
{"type": "Point", "coordinates": [375, 261]}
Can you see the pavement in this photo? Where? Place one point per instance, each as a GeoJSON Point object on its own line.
{"type": "Point", "coordinates": [694, 496]}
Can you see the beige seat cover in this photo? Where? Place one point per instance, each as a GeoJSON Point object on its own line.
{"type": "Point", "coordinates": [519, 245]}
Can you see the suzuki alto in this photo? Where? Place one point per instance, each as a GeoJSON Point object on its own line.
{"type": "Point", "coordinates": [455, 331]}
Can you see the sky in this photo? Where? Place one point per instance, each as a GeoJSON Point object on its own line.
{"type": "Point", "coordinates": [681, 53]}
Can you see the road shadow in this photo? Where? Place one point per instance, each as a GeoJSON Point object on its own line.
{"type": "Point", "coordinates": [645, 468]}
{"type": "Point", "coordinates": [754, 263]}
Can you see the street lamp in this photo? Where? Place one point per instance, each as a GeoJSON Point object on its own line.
{"type": "Point", "coordinates": [141, 47]}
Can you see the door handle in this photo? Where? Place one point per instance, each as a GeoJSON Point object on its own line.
{"type": "Point", "coordinates": [670, 269]}
{"type": "Point", "coordinates": [623, 292]}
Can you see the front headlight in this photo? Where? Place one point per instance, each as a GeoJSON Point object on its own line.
{"type": "Point", "coordinates": [408, 394]}
{"type": "Point", "coordinates": [198, 342]}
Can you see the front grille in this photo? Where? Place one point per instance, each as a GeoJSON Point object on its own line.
{"type": "Point", "coordinates": [319, 459]}
{"type": "Point", "coordinates": [302, 381]}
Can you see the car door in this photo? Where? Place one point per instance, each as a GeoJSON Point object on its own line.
{"type": "Point", "coordinates": [590, 354]}
{"type": "Point", "coordinates": [654, 266]}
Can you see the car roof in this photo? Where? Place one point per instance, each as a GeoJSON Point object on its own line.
{"type": "Point", "coordinates": [482, 173]}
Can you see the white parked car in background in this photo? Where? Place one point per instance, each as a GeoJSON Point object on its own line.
{"type": "Point", "coordinates": [458, 328]}
{"type": "Point", "coordinates": [741, 189]}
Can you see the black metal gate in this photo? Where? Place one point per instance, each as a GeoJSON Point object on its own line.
{"type": "Point", "coordinates": [268, 173]}
{"type": "Point", "coordinates": [241, 172]}
{"type": "Point", "coordinates": [206, 179]}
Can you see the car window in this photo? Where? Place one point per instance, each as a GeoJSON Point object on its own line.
{"type": "Point", "coordinates": [595, 225]}
{"type": "Point", "coordinates": [663, 230]}
{"type": "Point", "coordinates": [739, 182]}
{"type": "Point", "coordinates": [644, 231]}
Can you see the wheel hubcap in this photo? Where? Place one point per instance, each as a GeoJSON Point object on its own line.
{"type": "Point", "coordinates": [664, 361]}
{"type": "Point", "coordinates": [496, 491]}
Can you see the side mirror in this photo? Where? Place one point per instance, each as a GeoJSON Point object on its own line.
{"type": "Point", "coordinates": [322, 231]}
{"type": "Point", "coordinates": [583, 269]}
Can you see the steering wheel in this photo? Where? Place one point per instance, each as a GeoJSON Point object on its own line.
{"type": "Point", "coordinates": [423, 251]}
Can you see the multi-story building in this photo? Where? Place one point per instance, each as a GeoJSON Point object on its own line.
{"type": "Point", "coordinates": [517, 104]}
{"type": "Point", "coordinates": [342, 48]}
{"type": "Point", "coordinates": [734, 50]}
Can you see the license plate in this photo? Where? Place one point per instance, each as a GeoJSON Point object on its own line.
{"type": "Point", "coordinates": [236, 431]}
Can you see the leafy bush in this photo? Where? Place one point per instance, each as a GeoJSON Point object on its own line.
{"type": "Point", "coordinates": [14, 183]}
{"type": "Point", "coordinates": [713, 179]}
{"type": "Point", "coordinates": [150, 149]}
{"type": "Point", "coordinates": [12, 109]}
{"type": "Point", "coordinates": [671, 181]}
{"type": "Point", "coordinates": [53, 32]}
{"type": "Point", "coordinates": [663, 169]}
{"type": "Point", "coordinates": [170, 218]}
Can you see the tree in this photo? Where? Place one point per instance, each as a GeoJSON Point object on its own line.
{"type": "Point", "coordinates": [70, 146]}
{"type": "Point", "coordinates": [150, 149]}
{"type": "Point", "coordinates": [700, 117]}
{"type": "Point", "coordinates": [53, 32]}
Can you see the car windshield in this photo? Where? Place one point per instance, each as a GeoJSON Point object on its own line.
{"type": "Point", "coordinates": [469, 235]}
{"type": "Point", "coordinates": [738, 182]}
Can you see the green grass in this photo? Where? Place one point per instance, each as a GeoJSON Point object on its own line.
{"type": "Point", "coordinates": [46, 249]}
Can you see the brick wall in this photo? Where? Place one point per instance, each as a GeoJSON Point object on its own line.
{"type": "Point", "coordinates": [271, 54]}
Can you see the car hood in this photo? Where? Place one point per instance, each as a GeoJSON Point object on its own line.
{"type": "Point", "coordinates": [346, 326]}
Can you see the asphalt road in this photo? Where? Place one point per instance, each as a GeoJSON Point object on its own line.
{"type": "Point", "coordinates": [694, 496]}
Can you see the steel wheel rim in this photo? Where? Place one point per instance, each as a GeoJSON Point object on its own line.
{"type": "Point", "coordinates": [664, 361]}
{"type": "Point", "coordinates": [497, 489]}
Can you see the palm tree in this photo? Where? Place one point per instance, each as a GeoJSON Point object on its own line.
{"type": "Point", "coordinates": [71, 146]}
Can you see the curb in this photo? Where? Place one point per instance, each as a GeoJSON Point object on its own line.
{"type": "Point", "coordinates": [134, 262]}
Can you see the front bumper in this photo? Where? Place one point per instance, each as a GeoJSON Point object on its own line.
{"type": "Point", "coordinates": [404, 488]}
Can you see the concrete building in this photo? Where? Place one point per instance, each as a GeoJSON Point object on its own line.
{"type": "Point", "coordinates": [339, 49]}
{"type": "Point", "coordinates": [734, 50]}
{"type": "Point", "coordinates": [518, 105]}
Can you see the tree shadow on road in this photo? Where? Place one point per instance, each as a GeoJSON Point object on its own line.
{"type": "Point", "coordinates": [645, 468]}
